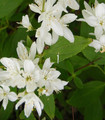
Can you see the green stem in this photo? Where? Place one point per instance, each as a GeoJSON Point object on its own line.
{"type": "Point", "coordinates": [43, 5]}
{"type": "Point", "coordinates": [87, 65]}
{"type": "Point", "coordinates": [99, 68]}
{"type": "Point", "coordinates": [3, 28]}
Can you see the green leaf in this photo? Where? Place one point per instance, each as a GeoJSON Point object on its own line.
{"type": "Point", "coordinates": [8, 6]}
{"type": "Point", "coordinates": [91, 55]}
{"type": "Point", "coordinates": [29, 41]}
{"type": "Point", "coordinates": [85, 30]}
{"type": "Point", "coordinates": [9, 48]}
{"type": "Point", "coordinates": [86, 95]}
{"type": "Point", "coordinates": [65, 49]}
{"type": "Point", "coordinates": [49, 105]}
{"type": "Point", "coordinates": [78, 61]}
{"type": "Point", "coordinates": [78, 82]}
{"type": "Point", "coordinates": [58, 114]}
{"type": "Point", "coordinates": [5, 114]}
{"type": "Point", "coordinates": [93, 1]}
{"type": "Point", "coordinates": [23, 117]}
{"type": "Point", "coordinates": [94, 111]}
{"type": "Point", "coordinates": [66, 65]}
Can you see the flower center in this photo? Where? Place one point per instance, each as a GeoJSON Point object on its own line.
{"type": "Point", "coordinates": [101, 22]}
{"type": "Point", "coordinates": [28, 78]}
{"type": "Point", "coordinates": [45, 78]}
{"type": "Point", "coordinates": [5, 93]}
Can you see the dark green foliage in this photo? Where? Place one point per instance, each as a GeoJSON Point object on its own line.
{"type": "Point", "coordinates": [79, 64]}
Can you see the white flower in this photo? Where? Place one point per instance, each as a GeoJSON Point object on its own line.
{"type": "Point", "coordinates": [6, 95]}
{"type": "Point", "coordinates": [26, 75]}
{"type": "Point", "coordinates": [11, 76]}
{"type": "Point", "coordinates": [70, 3]}
{"type": "Point", "coordinates": [26, 23]}
{"type": "Point", "coordinates": [44, 38]}
{"type": "Point", "coordinates": [31, 75]}
{"type": "Point", "coordinates": [95, 17]}
{"type": "Point", "coordinates": [37, 8]}
{"type": "Point", "coordinates": [31, 101]}
{"type": "Point", "coordinates": [50, 15]}
{"type": "Point", "coordinates": [99, 44]}
{"type": "Point", "coordinates": [23, 53]}
{"type": "Point", "coordinates": [68, 18]}
{"type": "Point", "coordinates": [49, 79]}
{"type": "Point", "coordinates": [51, 20]}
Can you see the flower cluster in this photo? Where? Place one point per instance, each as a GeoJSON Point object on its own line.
{"type": "Point", "coordinates": [25, 73]}
{"type": "Point", "coordinates": [95, 17]}
{"type": "Point", "coordinates": [52, 22]}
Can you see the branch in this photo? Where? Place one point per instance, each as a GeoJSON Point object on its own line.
{"type": "Point", "coordinates": [88, 64]}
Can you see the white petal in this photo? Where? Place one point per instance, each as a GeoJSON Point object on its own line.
{"type": "Point", "coordinates": [28, 108]}
{"type": "Point", "coordinates": [39, 105]}
{"type": "Point", "coordinates": [58, 9]}
{"type": "Point", "coordinates": [57, 27]}
{"type": "Point", "coordinates": [25, 21]}
{"type": "Point", "coordinates": [73, 4]}
{"type": "Point", "coordinates": [40, 45]}
{"type": "Point", "coordinates": [6, 88]}
{"type": "Point", "coordinates": [7, 62]}
{"type": "Point", "coordinates": [96, 44]}
{"type": "Point", "coordinates": [92, 21]}
{"type": "Point", "coordinates": [86, 14]}
{"type": "Point", "coordinates": [81, 19]}
{"type": "Point", "coordinates": [100, 10]}
{"type": "Point", "coordinates": [59, 84]}
{"type": "Point", "coordinates": [54, 74]}
{"type": "Point", "coordinates": [32, 52]}
{"type": "Point", "coordinates": [31, 86]}
{"type": "Point", "coordinates": [20, 81]}
{"type": "Point", "coordinates": [96, 3]}
{"type": "Point", "coordinates": [102, 40]}
{"type": "Point", "coordinates": [88, 8]}
{"type": "Point", "coordinates": [5, 102]}
{"type": "Point", "coordinates": [98, 32]}
{"type": "Point", "coordinates": [19, 103]}
{"type": "Point", "coordinates": [17, 64]}
{"type": "Point", "coordinates": [12, 96]}
{"type": "Point", "coordinates": [49, 4]}
{"type": "Point", "coordinates": [42, 17]}
{"type": "Point", "coordinates": [1, 94]}
{"type": "Point", "coordinates": [68, 34]}
{"type": "Point", "coordinates": [38, 108]}
{"type": "Point", "coordinates": [29, 66]}
{"type": "Point", "coordinates": [35, 8]}
{"type": "Point", "coordinates": [54, 37]}
{"type": "Point", "coordinates": [4, 75]}
{"type": "Point", "coordinates": [47, 64]}
{"type": "Point", "coordinates": [68, 18]}
{"type": "Point", "coordinates": [37, 74]}
{"type": "Point", "coordinates": [48, 39]}
{"type": "Point", "coordinates": [22, 51]}
{"type": "Point", "coordinates": [35, 61]}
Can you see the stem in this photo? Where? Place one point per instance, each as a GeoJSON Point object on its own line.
{"type": "Point", "coordinates": [99, 68]}
{"type": "Point", "coordinates": [3, 28]}
{"type": "Point", "coordinates": [88, 64]}
{"type": "Point", "coordinates": [43, 5]}
{"type": "Point", "coordinates": [91, 64]}
{"type": "Point", "coordinates": [73, 113]}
